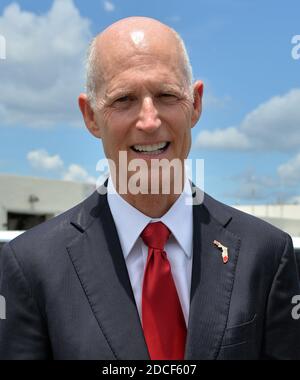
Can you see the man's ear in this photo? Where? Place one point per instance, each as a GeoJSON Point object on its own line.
{"type": "Point", "coordinates": [198, 93]}
{"type": "Point", "coordinates": [88, 115]}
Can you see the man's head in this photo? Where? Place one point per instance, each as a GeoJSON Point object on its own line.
{"type": "Point", "coordinates": [123, 28]}
{"type": "Point", "coordinates": [140, 94]}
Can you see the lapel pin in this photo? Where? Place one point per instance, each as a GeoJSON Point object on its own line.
{"type": "Point", "coordinates": [224, 250]}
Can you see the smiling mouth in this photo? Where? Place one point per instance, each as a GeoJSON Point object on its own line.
{"type": "Point", "coordinates": [151, 148]}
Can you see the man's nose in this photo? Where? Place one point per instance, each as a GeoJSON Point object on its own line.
{"type": "Point", "coordinates": [148, 119]}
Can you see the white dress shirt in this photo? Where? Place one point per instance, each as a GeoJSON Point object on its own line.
{"type": "Point", "coordinates": [130, 222]}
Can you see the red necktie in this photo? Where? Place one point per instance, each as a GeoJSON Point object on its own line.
{"type": "Point", "coordinates": [163, 321]}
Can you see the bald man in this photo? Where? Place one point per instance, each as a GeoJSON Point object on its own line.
{"type": "Point", "coordinates": [134, 271]}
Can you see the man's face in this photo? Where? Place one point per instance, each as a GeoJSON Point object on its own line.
{"type": "Point", "coordinates": [144, 105]}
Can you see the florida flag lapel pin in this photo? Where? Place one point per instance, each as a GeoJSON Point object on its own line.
{"type": "Point", "coordinates": [223, 249]}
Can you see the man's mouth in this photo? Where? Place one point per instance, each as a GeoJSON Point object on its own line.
{"type": "Point", "coordinates": [151, 148]}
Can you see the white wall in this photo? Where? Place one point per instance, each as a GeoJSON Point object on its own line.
{"type": "Point", "coordinates": [285, 217]}
{"type": "Point", "coordinates": [54, 196]}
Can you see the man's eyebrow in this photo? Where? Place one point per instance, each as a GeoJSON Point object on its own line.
{"type": "Point", "coordinates": [171, 87]}
{"type": "Point", "coordinates": [177, 89]}
{"type": "Point", "coordinates": [162, 87]}
{"type": "Point", "coordinates": [118, 92]}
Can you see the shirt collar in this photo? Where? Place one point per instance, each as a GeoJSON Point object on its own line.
{"type": "Point", "coordinates": [179, 219]}
{"type": "Point", "coordinates": [123, 212]}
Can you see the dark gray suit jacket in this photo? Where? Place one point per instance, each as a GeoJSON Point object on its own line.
{"type": "Point", "coordinates": [68, 294]}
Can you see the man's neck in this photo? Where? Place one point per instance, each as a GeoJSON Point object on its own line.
{"type": "Point", "coordinates": [153, 205]}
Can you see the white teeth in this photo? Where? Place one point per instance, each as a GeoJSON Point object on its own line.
{"type": "Point", "coordinates": [150, 148]}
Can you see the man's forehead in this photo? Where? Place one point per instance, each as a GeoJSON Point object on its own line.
{"type": "Point", "coordinates": [140, 70]}
{"type": "Point", "coordinates": [137, 44]}
{"type": "Point", "coordinates": [139, 54]}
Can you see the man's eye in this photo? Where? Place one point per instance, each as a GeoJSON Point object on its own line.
{"type": "Point", "coordinates": [123, 99]}
{"type": "Point", "coordinates": [168, 96]}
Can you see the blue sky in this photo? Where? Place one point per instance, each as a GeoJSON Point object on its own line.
{"type": "Point", "coordinates": [249, 133]}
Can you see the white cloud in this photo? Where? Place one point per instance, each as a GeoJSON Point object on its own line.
{"type": "Point", "coordinates": [229, 138]}
{"type": "Point", "coordinates": [78, 174]}
{"type": "Point", "coordinates": [44, 70]}
{"type": "Point", "coordinates": [109, 6]}
{"type": "Point", "coordinates": [289, 172]}
{"type": "Point", "coordinates": [274, 125]}
{"type": "Point", "coordinates": [40, 159]}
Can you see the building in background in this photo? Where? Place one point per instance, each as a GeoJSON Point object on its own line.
{"type": "Point", "coordinates": [27, 201]}
{"type": "Point", "coordinates": [284, 216]}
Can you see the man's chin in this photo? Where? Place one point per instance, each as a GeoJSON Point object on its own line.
{"type": "Point", "coordinates": [154, 182]}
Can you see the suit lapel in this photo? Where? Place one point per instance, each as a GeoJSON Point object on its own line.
{"type": "Point", "coordinates": [212, 280]}
{"type": "Point", "coordinates": [99, 262]}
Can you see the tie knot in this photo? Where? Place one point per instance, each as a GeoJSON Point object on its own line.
{"type": "Point", "coordinates": [155, 235]}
